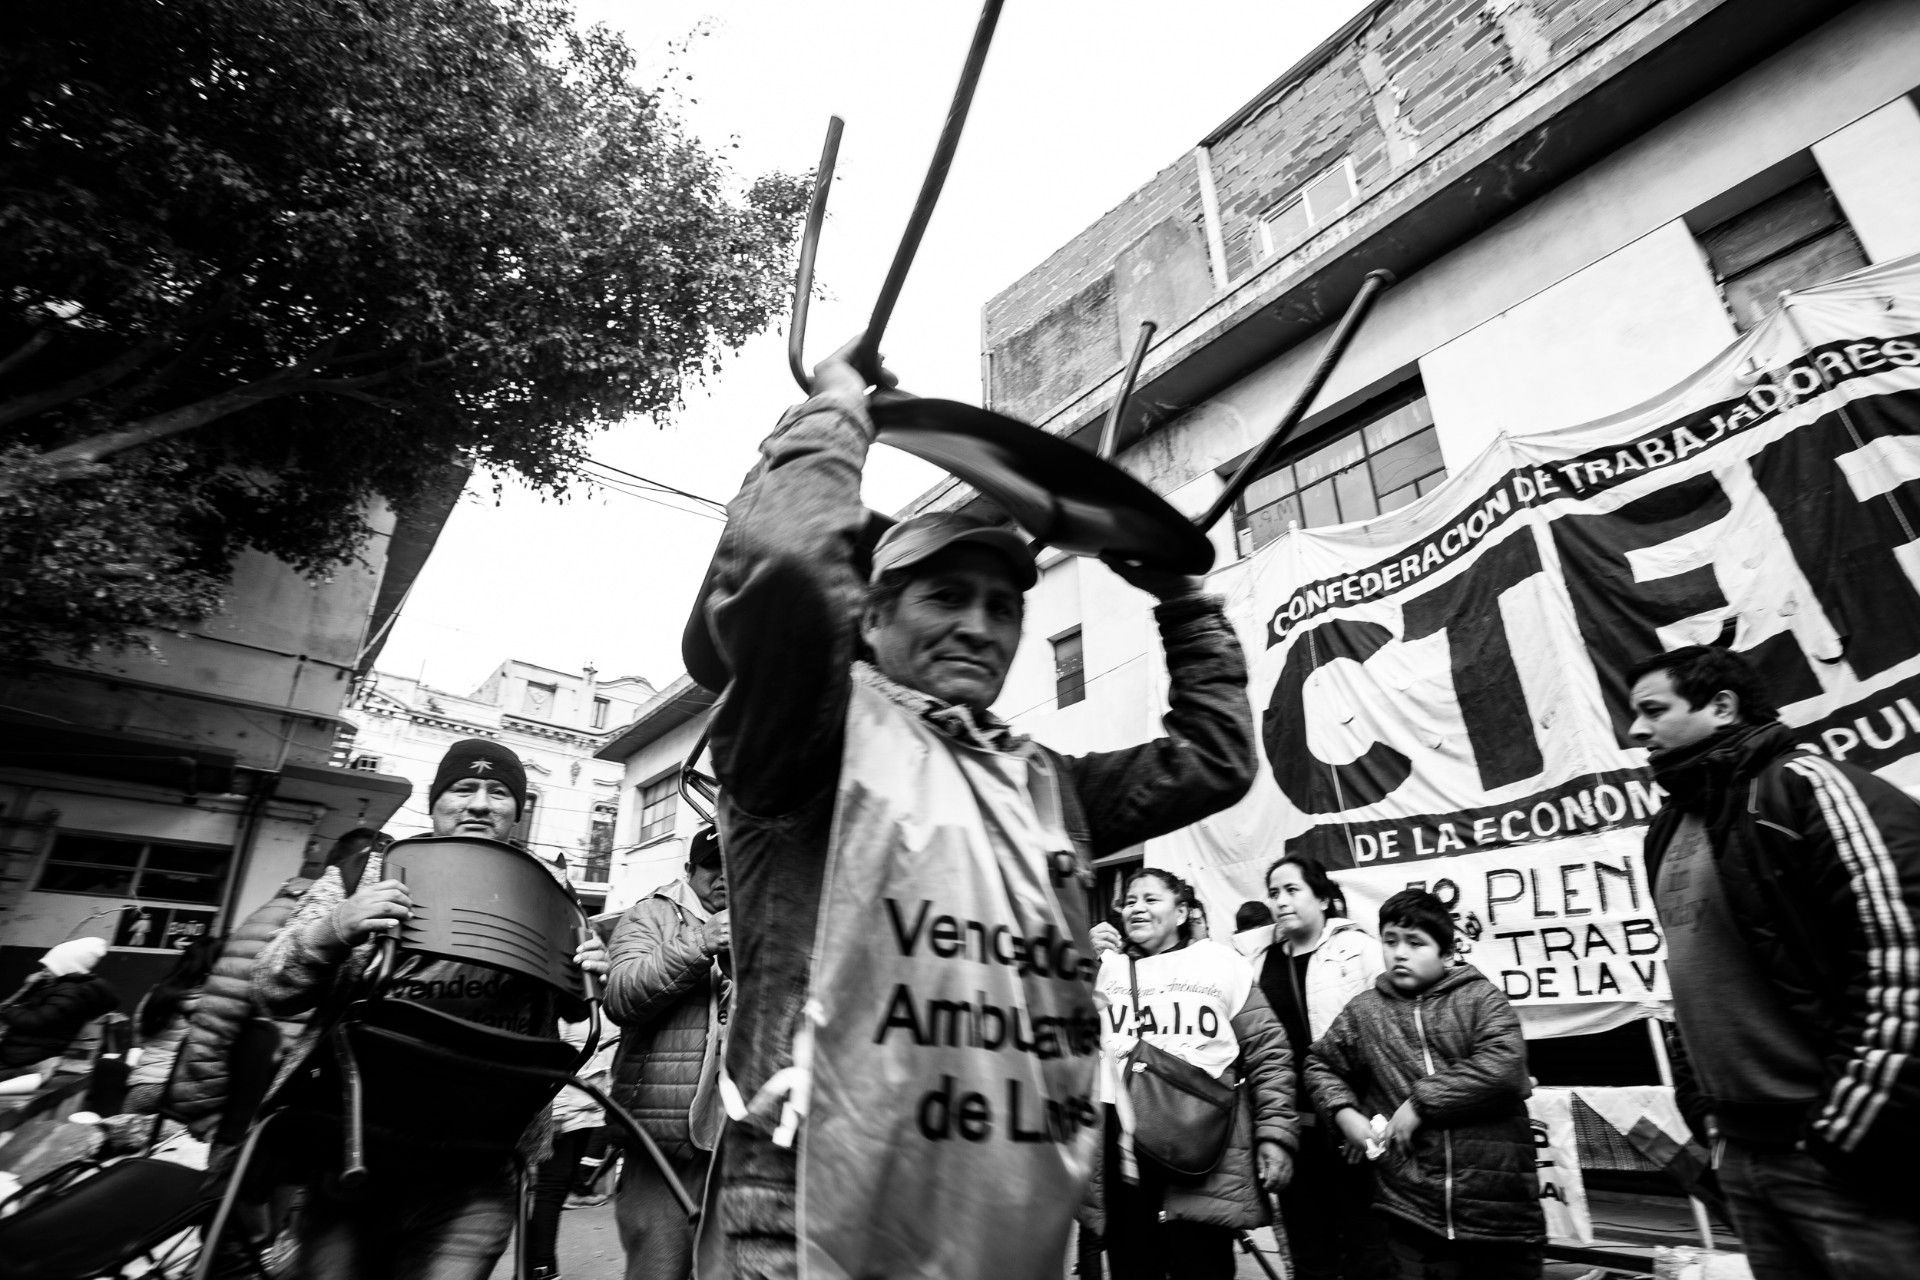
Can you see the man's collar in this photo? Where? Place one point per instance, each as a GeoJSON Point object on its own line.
{"type": "Point", "coordinates": [681, 894]}
{"type": "Point", "coordinates": [1696, 776]}
{"type": "Point", "coordinates": [981, 729]}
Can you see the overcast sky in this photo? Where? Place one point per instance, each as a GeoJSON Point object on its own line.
{"type": "Point", "coordinates": [1080, 104]}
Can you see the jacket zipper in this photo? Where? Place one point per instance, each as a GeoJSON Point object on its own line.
{"type": "Point", "coordinates": [1446, 1135]}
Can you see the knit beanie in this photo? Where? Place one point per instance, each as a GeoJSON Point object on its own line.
{"type": "Point", "coordinates": [78, 955]}
{"type": "Point", "coordinates": [481, 758]}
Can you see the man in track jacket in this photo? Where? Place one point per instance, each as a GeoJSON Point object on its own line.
{"type": "Point", "coordinates": [1788, 886]}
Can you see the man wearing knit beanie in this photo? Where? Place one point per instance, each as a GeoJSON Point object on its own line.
{"type": "Point", "coordinates": [478, 765]}
{"type": "Point", "coordinates": [426, 1213]}
{"type": "Point", "coordinates": [62, 996]}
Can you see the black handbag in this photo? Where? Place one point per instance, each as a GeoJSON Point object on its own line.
{"type": "Point", "coordinates": [1182, 1117]}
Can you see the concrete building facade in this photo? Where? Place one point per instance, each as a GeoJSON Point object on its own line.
{"type": "Point", "coordinates": [1583, 201]}
{"type": "Point", "coordinates": [555, 721]}
{"type": "Point", "coordinates": [656, 819]}
{"type": "Point", "coordinates": [150, 798]}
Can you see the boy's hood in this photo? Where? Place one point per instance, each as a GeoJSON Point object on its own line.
{"type": "Point", "coordinates": [1453, 979]}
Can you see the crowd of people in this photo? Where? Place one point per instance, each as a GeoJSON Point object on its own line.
{"type": "Point", "coordinates": [1362, 1089]}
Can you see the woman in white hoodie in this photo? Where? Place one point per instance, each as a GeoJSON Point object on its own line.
{"type": "Point", "coordinates": [1317, 961]}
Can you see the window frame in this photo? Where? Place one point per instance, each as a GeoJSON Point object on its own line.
{"type": "Point", "coordinates": [1301, 195]}
{"type": "Point", "coordinates": [1076, 681]}
{"type": "Point", "coordinates": [222, 880]}
{"type": "Point", "coordinates": [1718, 246]}
{"type": "Point", "coordinates": [1347, 427]}
{"type": "Point", "coordinates": [668, 783]}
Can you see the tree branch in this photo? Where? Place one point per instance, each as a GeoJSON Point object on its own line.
{"type": "Point", "coordinates": [99, 378]}
{"type": "Point", "coordinates": [25, 351]}
{"type": "Point", "coordinates": [74, 459]}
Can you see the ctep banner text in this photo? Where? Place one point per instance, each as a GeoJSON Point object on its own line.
{"type": "Point", "coordinates": [1441, 692]}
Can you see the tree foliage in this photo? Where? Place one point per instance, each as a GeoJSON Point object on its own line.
{"type": "Point", "coordinates": [264, 260]}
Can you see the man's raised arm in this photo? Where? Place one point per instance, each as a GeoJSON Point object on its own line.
{"type": "Point", "coordinates": [1206, 760]}
{"type": "Point", "coordinates": [786, 602]}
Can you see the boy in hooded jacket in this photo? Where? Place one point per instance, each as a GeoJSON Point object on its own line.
{"type": "Point", "coordinates": [1437, 1047]}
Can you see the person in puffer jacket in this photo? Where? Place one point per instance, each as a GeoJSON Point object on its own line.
{"type": "Point", "coordinates": [199, 1092]}
{"type": "Point", "coordinates": [1437, 1047]}
{"type": "Point", "coordinates": [666, 988]}
{"type": "Point", "coordinates": [51, 1007]}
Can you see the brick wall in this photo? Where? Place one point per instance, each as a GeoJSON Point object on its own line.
{"type": "Point", "coordinates": [1071, 320]}
{"type": "Point", "coordinates": [1386, 95]}
{"type": "Point", "coordinates": [1303, 129]}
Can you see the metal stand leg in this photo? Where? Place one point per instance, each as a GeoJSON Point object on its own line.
{"type": "Point", "coordinates": [353, 1163]}
{"type": "Point", "coordinates": [617, 1114]}
{"type": "Point", "coordinates": [522, 1190]}
{"type": "Point", "coordinates": [222, 1215]}
{"type": "Point", "coordinates": [1252, 1250]}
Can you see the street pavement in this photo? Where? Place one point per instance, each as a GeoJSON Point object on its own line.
{"type": "Point", "coordinates": [590, 1249]}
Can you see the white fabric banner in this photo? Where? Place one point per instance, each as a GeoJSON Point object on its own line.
{"type": "Point", "coordinates": [1563, 1190]}
{"type": "Point", "coordinates": [1441, 691]}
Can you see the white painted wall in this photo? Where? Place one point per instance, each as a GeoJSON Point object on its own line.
{"type": "Point", "coordinates": [640, 868]}
{"type": "Point", "coordinates": [1873, 166]}
{"type": "Point", "coordinates": [1602, 340]}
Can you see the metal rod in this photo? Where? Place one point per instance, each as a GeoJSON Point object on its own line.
{"type": "Point", "coordinates": [1701, 1222]}
{"type": "Point", "coordinates": [1252, 1250]}
{"type": "Point", "coordinates": [1370, 289]}
{"type": "Point", "coordinates": [929, 189]}
{"type": "Point", "coordinates": [809, 246]}
{"type": "Point", "coordinates": [1110, 434]}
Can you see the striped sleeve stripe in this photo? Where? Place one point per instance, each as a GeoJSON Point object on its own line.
{"type": "Point", "coordinates": [1893, 956]}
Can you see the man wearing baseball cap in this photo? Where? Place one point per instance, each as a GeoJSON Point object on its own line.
{"type": "Point", "coordinates": [427, 1215]}
{"type": "Point", "coordinates": [866, 785]}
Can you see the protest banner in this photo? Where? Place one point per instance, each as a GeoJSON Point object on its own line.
{"type": "Point", "coordinates": [1563, 1188]}
{"type": "Point", "coordinates": [1441, 691]}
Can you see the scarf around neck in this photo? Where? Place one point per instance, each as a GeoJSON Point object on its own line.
{"type": "Point", "coordinates": [979, 729]}
{"type": "Point", "coordinates": [1697, 776]}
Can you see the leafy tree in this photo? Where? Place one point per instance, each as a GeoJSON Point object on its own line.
{"type": "Point", "coordinates": [262, 261]}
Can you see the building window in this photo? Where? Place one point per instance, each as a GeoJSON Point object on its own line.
{"type": "Point", "coordinates": [1795, 239]}
{"type": "Point", "coordinates": [540, 700]}
{"type": "Point", "coordinates": [599, 860]}
{"type": "Point", "coordinates": [659, 804]}
{"type": "Point", "coordinates": [601, 709]}
{"type": "Point", "coordinates": [522, 832]}
{"type": "Point", "coordinates": [366, 764]}
{"type": "Point", "coordinates": [1382, 457]}
{"type": "Point", "coordinates": [118, 867]}
{"type": "Point", "coordinates": [1313, 204]}
{"type": "Point", "coordinates": [1069, 669]}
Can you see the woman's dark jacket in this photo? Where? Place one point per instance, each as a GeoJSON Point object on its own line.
{"type": "Point", "coordinates": [1820, 862]}
{"type": "Point", "coordinates": [44, 1020]}
{"type": "Point", "coordinates": [1456, 1050]}
{"type": "Point", "coordinates": [1231, 1196]}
